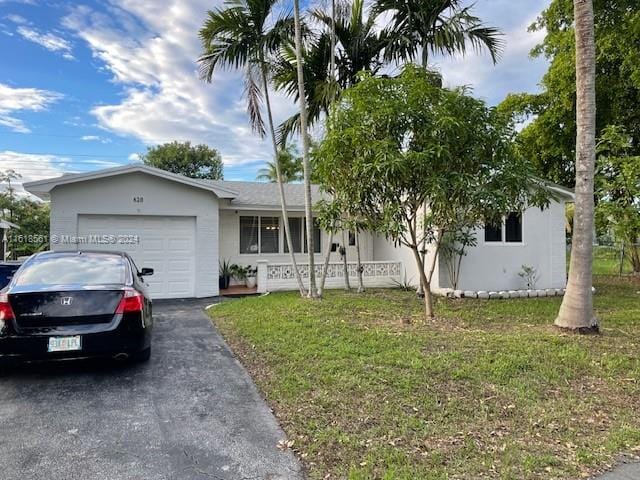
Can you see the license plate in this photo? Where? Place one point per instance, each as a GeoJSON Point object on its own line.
{"type": "Point", "coordinates": [64, 344]}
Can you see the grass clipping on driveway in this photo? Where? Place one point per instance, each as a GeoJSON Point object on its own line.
{"type": "Point", "coordinates": [488, 390]}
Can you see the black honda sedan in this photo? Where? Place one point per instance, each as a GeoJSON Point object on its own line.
{"type": "Point", "coordinates": [62, 305]}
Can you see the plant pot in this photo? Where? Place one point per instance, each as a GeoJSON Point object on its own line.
{"type": "Point", "coordinates": [250, 282]}
{"type": "Point", "coordinates": [223, 282]}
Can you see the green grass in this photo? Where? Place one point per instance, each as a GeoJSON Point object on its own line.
{"type": "Point", "coordinates": [488, 390]}
{"type": "Point", "coordinates": [606, 261]}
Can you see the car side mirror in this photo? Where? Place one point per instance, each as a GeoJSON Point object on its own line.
{"type": "Point", "coordinates": [146, 272]}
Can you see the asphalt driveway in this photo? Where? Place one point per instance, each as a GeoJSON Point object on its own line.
{"type": "Point", "coordinates": [192, 412]}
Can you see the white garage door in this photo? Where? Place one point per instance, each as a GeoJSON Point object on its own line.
{"type": "Point", "coordinates": [165, 244]}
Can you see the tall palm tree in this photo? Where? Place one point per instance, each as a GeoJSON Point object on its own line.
{"type": "Point", "coordinates": [239, 36]}
{"type": "Point", "coordinates": [359, 47]}
{"type": "Point", "coordinates": [576, 311]}
{"type": "Point", "coordinates": [290, 168]}
{"type": "Point", "coordinates": [306, 166]}
{"type": "Point", "coordinates": [435, 26]}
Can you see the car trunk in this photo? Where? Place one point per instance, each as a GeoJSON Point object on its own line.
{"type": "Point", "coordinates": [62, 308]}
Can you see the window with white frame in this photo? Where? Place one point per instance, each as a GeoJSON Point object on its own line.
{"type": "Point", "coordinates": [509, 230]}
{"type": "Point", "coordinates": [298, 229]}
{"type": "Point", "coordinates": [262, 235]}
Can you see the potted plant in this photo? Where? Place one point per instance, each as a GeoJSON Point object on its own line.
{"type": "Point", "coordinates": [225, 273]}
{"type": "Point", "coordinates": [239, 273]}
{"type": "Point", "coordinates": [251, 280]}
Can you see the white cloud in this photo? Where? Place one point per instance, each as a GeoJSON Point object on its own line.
{"type": "Point", "coordinates": [515, 71]}
{"type": "Point", "coordinates": [16, 19]}
{"type": "Point", "coordinates": [23, 99]}
{"type": "Point", "coordinates": [134, 157]}
{"type": "Point", "coordinates": [48, 40]}
{"type": "Point", "coordinates": [33, 167]}
{"type": "Point", "coordinates": [153, 58]}
{"type": "Point", "coordinates": [95, 138]}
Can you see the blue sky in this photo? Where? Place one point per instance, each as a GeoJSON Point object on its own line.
{"type": "Point", "coordinates": [87, 85]}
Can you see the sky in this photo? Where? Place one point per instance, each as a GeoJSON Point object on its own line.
{"type": "Point", "coordinates": [90, 85]}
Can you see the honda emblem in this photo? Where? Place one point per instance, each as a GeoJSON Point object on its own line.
{"type": "Point", "coordinates": [66, 300]}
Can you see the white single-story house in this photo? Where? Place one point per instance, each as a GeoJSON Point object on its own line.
{"type": "Point", "coordinates": [183, 227]}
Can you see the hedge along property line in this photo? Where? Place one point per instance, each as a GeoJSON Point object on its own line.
{"type": "Point", "coordinates": [487, 295]}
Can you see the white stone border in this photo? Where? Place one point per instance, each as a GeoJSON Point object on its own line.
{"type": "Point", "coordinates": [494, 295]}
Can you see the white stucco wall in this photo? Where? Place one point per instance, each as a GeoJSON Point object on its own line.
{"type": "Point", "coordinates": [230, 241]}
{"type": "Point", "coordinates": [495, 266]}
{"type": "Point", "coordinates": [384, 249]}
{"type": "Point", "coordinates": [115, 196]}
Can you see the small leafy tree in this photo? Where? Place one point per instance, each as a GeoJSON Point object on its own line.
{"type": "Point", "coordinates": [454, 248]}
{"type": "Point", "coordinates": [7, 177]}
{"type": "Point", "coordinates": [194, 161]}
{"type": "Point", "coordinates": [618, 189]}
{"type": "Point", "coordinates": [420, 160]}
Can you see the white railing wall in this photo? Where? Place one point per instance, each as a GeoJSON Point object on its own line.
{"type": "Point", "coordinates": [280, 276]}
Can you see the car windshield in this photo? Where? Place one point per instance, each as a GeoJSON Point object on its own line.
{"type": "Point", "coordinates": [73, 270]}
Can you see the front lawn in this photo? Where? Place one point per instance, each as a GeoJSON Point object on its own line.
{"type": "Point", "coordinates": [488, 390]}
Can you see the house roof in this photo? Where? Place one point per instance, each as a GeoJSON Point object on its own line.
{"type": "Point", "coordinates": [565, 192]}
{"type": "Point", "coordinates": [42, 188]}
{"type": "Point", "coordinates": [5, 224]}
{"type": "Point", "coordinates": [241, 195]}
{"type": "Point", "coordinates": [266, 195]}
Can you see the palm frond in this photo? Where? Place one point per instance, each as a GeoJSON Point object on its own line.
{"type": "Point", "coordinates": [254, 99]}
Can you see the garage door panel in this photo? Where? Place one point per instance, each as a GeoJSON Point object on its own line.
{"type": "Point", "coordinates": [166, 244]}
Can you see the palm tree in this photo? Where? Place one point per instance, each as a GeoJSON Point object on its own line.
{"type": "Point", "coordinates": [240, 37]}
{"type": "Point", "coordinates": [435, 26]}
{"type": "Point", "coordinates": [290, 168]}
{"type": "Point", "coordinates": [576, 311]}
{"type": "Point", "coordinates": [306, 167]}
{"type": "Point", "coordinates": [326, 70]}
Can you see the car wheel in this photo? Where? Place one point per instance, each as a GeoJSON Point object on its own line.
{"type": "Point", "coordinates": [142, 356]}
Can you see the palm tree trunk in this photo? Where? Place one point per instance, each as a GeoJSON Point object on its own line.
{"type": "Point", "coordinates": [283, 201]}
{"type": "Point", "coordinates": [359, 263]}
{"type": "Point", "coordinates": [425, 56]}
{"type": "Point", "coordinates": [313, 292]}
{"type": "Point", "coordinates": [327, 257]}
{"type": "Point", "coordinates": [332, 63]}
{"type": "Point", "coordinates": [345, 265]}
{"type": "Point", "coordinates": [576, 312]}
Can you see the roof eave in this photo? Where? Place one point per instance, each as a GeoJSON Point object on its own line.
{"type": "Point", "coordinates": [41, 188]}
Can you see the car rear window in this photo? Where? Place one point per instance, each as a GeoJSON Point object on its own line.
{"type": "Point", "coordinates": [73, 270]}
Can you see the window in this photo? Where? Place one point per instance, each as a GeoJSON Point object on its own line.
{"type": "Point", "coordinates": [269, 235]}
{"type": "Point", "coordinates": [262, 235]}
{"type": "Point", "coordinates": [298, 228]}
{"type": "Point", "coordinates": [492, 233]}
{"type": "Point", "coordinates": [73, 269]}
{"type": "Point", "coordinates": [352, 239]}
{"type": "Point", "coordinates": [508, 231]}
{"type": "Point", "coordinates": [249, 235]}
{"type": "Point", "coordinates": [317, 237]}
{"type": "Point", "coordinates": [295, 227]}
{"type": "Point", "coordinates": [513, 228]}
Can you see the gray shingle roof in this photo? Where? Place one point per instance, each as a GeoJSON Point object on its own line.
{"type": "Point", "coordinates": [266, 194]}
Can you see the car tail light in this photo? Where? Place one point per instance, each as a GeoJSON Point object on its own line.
{"type": "Point", "coordinates": [132, 301]}
{"type": "Point", "coordinates": [6, 312]}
